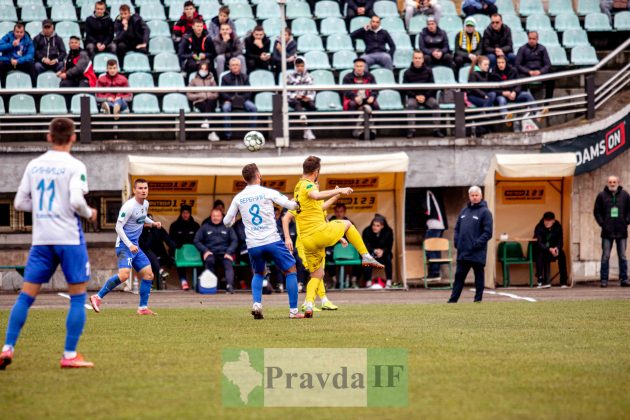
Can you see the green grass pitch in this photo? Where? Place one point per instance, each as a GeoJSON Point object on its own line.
{"type": "Point", "coordinates": [494, 360]}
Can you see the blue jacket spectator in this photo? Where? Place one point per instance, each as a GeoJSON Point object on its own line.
{"type": "Point", "coordinates": [20, 56]}
{"type": "Point", "coordinates": [483, 7]}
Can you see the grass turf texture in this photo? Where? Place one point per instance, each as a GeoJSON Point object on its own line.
{"type": "Point", "coordinates": [494, 360]}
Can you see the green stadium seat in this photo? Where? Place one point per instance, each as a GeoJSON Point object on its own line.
{"type": "Point", "coordinates": [574, 37]}
{"type": "Point", "coordinates": [7, 12]}
{"type": "Point", "coordinates": [462, 77]}
{"type": "Point", "coordinates": [188, 257]}
{"type": "Point", "coordinates": [451, 39]}
{"type": "Point", "coordinates": [454, 23]}
{"type": "Point", "coordinates": [317, 60]}
{"type": "Point", "coordinates": [622, 21]}
{"type": "Point", "coordinates": [359, 22]}
{"type": "Point", "coordinates": [22, 105]}
{"type": "Point", "coordinates": [22, 3]}
{"type": "Point", "coordinates": [7, 26]}
{"type": "Point", "coordinates": [332, 25]}
{"type": "Point", "coordinates": [165, 62]}
{"type": "Point", "coordinates": [75, 104]}
{"type": "Point", "coordinates": [261, 78]}
{"type": "Point", "coordinates": [18, 80]}
{"type": "Point", "coordinates": [310, 42]}
{"type": "Point", "coordinates": [61, 12]}
{"type": "Point", "coordinates": [344, 59]}
{"type": "Point", "coordinates": [326, 8]}
{"type": "Point", "coordinates": [48, 80]}
{"type": "Point", "coordinates": [242, 10]}
{"type": "Point", "coordinates": [448, 8]}
{"type": "Point", "coordinates": [209, 9]}
{"type": "Point", "coordinates": [510, 253]}
{"type": "Point", "coordinates": [393, 24]}
{"type": "Point", "coordinates": [52, 104]}
{"type": "Point", "coordinates": [401, 40]}
{"type": "Point", "coordinates": [402, 58]}
{"type": "Point", "coordinates": [267, 10]}
{"type": "Point", "coordinates": [136, 62]}
{"type": "Point", "coordinates": [323, 77]}
{"type": "Point", "coordinates": [513, 22]}
{"type": "Point", "coordinates": [159, 28]}
{"type": "Point", "coordinates": [172, 103]}
{"type": "Point", "coordinates": [141, 80]}
{"type": "Point", "coordinates": [175, 10]}
{"type": "Point", "coordinates": [557, 55]}
{"type": "Point", "coordinates": [272, 27]}
{"type": "Point", "coordinates": [303, 26]}
{"type": "Point", "coordinates": [2, 111]}
{"type": "Point", "coordinates": [389, 100]}
{"type": "Point", "coordinates": [100, 62]}
{"type": "Point", "coordinates": [233, 2]}
{"type": "Point", "coordinates": [171, 79]}
{"type": "Point", "coordinates": [588, 6]}
{"type": "Point", "coordinates": [257, 2]}
{"type": "Point", "coordinates": [145, 103]}
{"type": "Point", "coordinates": [66, 29]}
{"type": "Point", "coordinates": [417, 24]}
{"type": "Point", "coordinates": [345, 256]}
{"type": "Point", "coordinates": [264, 101]}
{"type": "Point", "coordinates": [443, 75]}
{"type": "Point", "coordinates": [161, 44]}
{"type": "Point", "coordinates": [384, 8]}
{"type": "Point", "coordinates": [33, 12]}
{"type": "Point", "coordinates": [328, 101]}
{"type": "Point", "coordinates": [359, 46]}
{"type": "Point", "coordinates": [244, 26]}
{"type": "Point", "coordinates": [339, 42]}
{"type": "Point", "coordinates": [557, 7]}
{"type": "Point", "coordinates": [548, 38]}
{"type": "Point", "coordinates": [597, 22]}
{"type": "Point", "coordinates": [342, 74]}
{"type": "Point", "coordinates": [483, 22]}
{"type": "Point", "coordinates": [297, 9]}
{"type": "Point", "coordinates": [86, 11]}
{"type": "Point", "coordinates": [32, 28]}
{"type": "Point", "coordinates": [537, 22]}
{"type": "Point", "coordinates": [383, 76]}
{"type": "Point", "coordinates": [566, 21]}
{"type": "Point", "coordinates": [506, 7]}
{"type": "Point", "coordinates": [141, 3]}
{"type": "Point", "coordinates": [519, 38]}
{"type": "Point", "coordinates": [152, 12]}
{"type": "Point", "coordinates": [531, 7]}
{"type": "Point", "coordinates": [584, 55]}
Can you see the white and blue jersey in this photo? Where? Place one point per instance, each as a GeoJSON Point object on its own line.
{"type": "Point", "coordinates": [52, 188]}
{"type": "Point", "coordinates": [131, 220]}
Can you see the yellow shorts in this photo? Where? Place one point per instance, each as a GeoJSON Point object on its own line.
{"type": "Point", "coordinates": [312, 248]}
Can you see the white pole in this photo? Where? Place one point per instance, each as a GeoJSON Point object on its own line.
{"type": "Point", "coordinates": [284, 140]}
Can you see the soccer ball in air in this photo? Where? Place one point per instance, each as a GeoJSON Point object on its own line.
{"type": "Point", "coordinates": [254, 141]}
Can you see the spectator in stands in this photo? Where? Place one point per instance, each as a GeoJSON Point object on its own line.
{"type": "Point", "coordinates": [376, 39]}
{"type": "Point", "coordinates": [360, 99]}
{"type": "Point", "coordinates": [481, 7]}
{"type": "Point", "coordinates": [612, 213]}
{"type": "Point", "coordinates": [186, 21]}
{"type": "Point", "coordinates": [505, 72]}
{"type": "Point", "coordinates": [237, 101]}
{"type": "Point", "coordinates": [50, 51]}
{"type": "Point", "coordinates": [17, 52]}
{"type": "Point", "coordinates": [99, 31]}
{"type": "Point", "coordinates": [422, 7]}
{"type": "Point", "coordinates": [548, 248]}
{"type": "Point", "coordinates": [205, 101]}
{"type": "Point", "coordinates": [359, 8]}
{"type": "Point", "coordinates": [497, 41]}
{"type": "Point", "coordinates": [219, 204]}
{"type": "Point", "coordinates": [217, 245]}
{"type": "Point", "coordinates": [301, 100]}
{"type": "Point", "coordinates": [182, 231]}
{"type": "Point", "coordinates": [610, 7]}
{"type": "Point", "coordinates": [467, 44]}
{"type": "Point", "coordinates": [151, 242]}
{"type": "Point", "coordinates": [131, 33]}
{"type": "Point", "coordinates": [222, 17]}
{"type": "Point", "coordinates": [257, 47]}
{"type": "Point", "coordinates": [533, 60]}
{"type": "Point", "coordinates": [420, 98]}
{"type": "Point", "coordinates": [77, 71]}
{"type": "Point", "coordinates": [291, 52]}
{"type": "Point", "coordinates": [433, 43]}
{"type": "Point", "coordinates": [379, 240]}
{"type": "Point", "coordinates": [481, 97]}
{"type": "Point", "coordinates": [472, 233]}
{"type": "Point", "coordinates": [227, 46]}
{"type": "Point", "coordinates": [113, 103]}
{"type": "Point", "coordinates": [196, 46]}
{"type": "Point", "coordinates": [437, 223]}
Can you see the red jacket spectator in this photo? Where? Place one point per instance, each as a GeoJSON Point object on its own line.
{"type": "Point", "coordinates": [184, 24]}
{"type": "Point", "coordinates": [106, 81]}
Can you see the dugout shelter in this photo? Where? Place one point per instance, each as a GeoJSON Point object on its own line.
{"type": "Point", "coordinates": [378, 182]}
{"type": "Point", "coordinates": [519, 188]}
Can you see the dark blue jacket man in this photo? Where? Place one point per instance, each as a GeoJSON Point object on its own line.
{"type": "Point", "coordinates": [472, 233]}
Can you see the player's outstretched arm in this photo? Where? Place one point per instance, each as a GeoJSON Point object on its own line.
{"type": "Point", "coordinates": [230, 216]}
{"type": "Point", "coordinates": [328, 203]}
{"type": "Point", "coordinates": [283, 201]}
{"type": "Point", "coordinates": [326, 194]}
{"type": "Point", "coordinates": [286, 221]}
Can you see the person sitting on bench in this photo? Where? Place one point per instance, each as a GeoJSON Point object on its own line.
{"type": "Point", "coordinates": [548, 248]}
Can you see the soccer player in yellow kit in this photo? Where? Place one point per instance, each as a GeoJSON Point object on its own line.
{"type": "Point", "coordinates": [315, 234]}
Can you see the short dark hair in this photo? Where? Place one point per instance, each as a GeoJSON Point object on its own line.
{"type": "Point", "coordinates": [549, 216]}
{"type": "Point", "coordinates": [112, 62]}
{"type": "Point", "coordinates": [19, 25]}
{"type": "Point", "coordinates": [188, 4]}
{"type": "Point", "coordinates": [75, 37]}
{"type": "Point", "coordinates": [288, 30]}
{"type": "Point", "coordinates": [224, 9]}
{"type": "Point", "coordinates": [218, 203]}
{"type": "Point", "coordinates": [100, 3]}
{"type": "Point", "coordinates": [249, 172]}
{"type": "Point", "coordinates": [61, 130]}
{"type": "Point", "coordinates": [258, 28]}
{"type": "Point", "coordinates": [496, 15]}
{"type": "Point", "coordinates": [124, 7]}
{"type": "Point", "coordinates": [311, 164]}
{"type": "Point", "coordinates": [139, 181]}
{"type": "Point", "coordinates": [340, 206]}
{"type": "Point", "coordinates": [197, 20]}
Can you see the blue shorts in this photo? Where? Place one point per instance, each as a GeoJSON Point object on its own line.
{"type": "Point", "coordinates": [127, 259]}
{"type": "Point", "coordinates": [276, 251]}
{"type": "Point", "coordinates": [44, 259]}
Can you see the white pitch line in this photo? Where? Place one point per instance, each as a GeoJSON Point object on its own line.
{"type": "Point", "coordinates": [67, 296]}
{"type": "Point", "coordinates": [510, 295]}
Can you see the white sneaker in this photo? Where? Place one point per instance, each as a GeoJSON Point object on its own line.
{"type": "Point", "coordinates": [205, 124]}
{"type": "Point", "coordinates": [303, 118]}
{"type": "Point", "coordinates": [368, 283]}
{"type": "Point", "coordinates": [308, 134]}
{"type": "Point", "coordinates": [388, 284]}
{"type": "Point", "coordinates": [213, 137]}
{"type": "Point", "coordinates": [564, 286]}
{"type": "Point", "coordinates": [257, 311]}
{"type": "Point", "coordinates": [545, 286]}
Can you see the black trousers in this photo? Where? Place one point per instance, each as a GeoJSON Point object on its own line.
{"type": "Point", "coordinates": [215, 260]}
{"type": "Point", "coordinates": [209, 105]}
{"type": "Point", "coordinates": [463, 267]}
{"type": "Point", "coordinates": [386, 260]}
{"type": "Point", "coordinates": [28, 68]}
{"type": "Point", "coordinates": [543, 266]}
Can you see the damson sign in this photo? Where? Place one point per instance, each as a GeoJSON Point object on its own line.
{"type": "Point", "coordinates": [595, 149]}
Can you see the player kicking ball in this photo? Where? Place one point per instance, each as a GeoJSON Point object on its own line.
{"type": "Point", "coordinates": [52, 188]}
{"type": "Point", "coordinates": [131, 219]}
{"type": "Point", "coordinates": [316, 233]}
{"type": "Point", "coordinates": [255, 203]}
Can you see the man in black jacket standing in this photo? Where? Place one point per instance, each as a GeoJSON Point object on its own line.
{"type": "Point", "coordinates": [217, 245]}
{"type": "Point", "coordinates": [612, 212]}
{"type": "Point", "coordinates": [376, 38]}
{"type": "Point", "coordinates": [548, 248]}
{"type": "Point", "coordinates": [424, 98]}
{"type": "Point", "coordinates": [472, 233]}
{"type": "Point", "coordinates": [99, 31]}
{"type": "Point", "coordinates": [50, 51]}
{"type": "Point", "coordinates": [131, 33]}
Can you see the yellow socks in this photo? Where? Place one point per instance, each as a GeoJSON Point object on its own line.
{"type": "Point", "coordinates": [311, 289]}
{"type": "Point", "coordinates": [354, 237]}
{"type": "Point", "coordinates": [321, 290]}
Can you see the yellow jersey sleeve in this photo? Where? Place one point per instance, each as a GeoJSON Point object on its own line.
{"type": "Point", "coordinates": [309, 215]}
